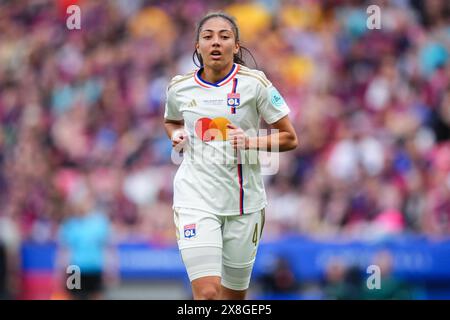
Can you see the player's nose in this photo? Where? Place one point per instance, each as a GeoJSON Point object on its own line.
{"type": "Point", "coordinates": [216, 41]}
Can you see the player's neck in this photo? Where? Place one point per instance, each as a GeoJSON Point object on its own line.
{"type": "Point", "coordinates": [213, 76]}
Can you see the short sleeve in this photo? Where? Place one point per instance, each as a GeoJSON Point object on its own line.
{"type": "Point", "coordinates": [172, 111]}
{"type": "Point", "coordinates": [271, 105]}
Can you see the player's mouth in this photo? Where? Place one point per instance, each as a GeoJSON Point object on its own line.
{"type": "Point", "coordinates": [216, 55]}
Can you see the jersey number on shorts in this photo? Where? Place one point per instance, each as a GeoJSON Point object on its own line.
{"type": "Point", "coordinates": [255, 235]}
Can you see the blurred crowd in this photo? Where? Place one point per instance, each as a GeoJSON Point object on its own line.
{"type": "Point", "coordinates": [82, 111]}
{"type": "Point", "coordinates": [342, 281]}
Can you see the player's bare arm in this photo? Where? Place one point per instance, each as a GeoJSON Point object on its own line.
{"type": "Point", "coordinates": [283, 140]}
{"type": "Point", "coordinates": [175, 131]}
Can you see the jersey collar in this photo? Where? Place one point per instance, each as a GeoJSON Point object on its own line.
{"type": "Point", "coordinates": [234, 70]}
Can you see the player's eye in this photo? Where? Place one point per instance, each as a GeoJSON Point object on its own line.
{"type": "Point", "coordinates": [225, 37]}
{"type": "Point", "coordinates": [206, 37]}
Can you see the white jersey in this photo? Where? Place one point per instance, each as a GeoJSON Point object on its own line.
{"type": "Point", "coordinates": [212, 176]}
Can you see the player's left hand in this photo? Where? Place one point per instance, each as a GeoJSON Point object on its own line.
{"type": "Point", "coordinates": [237, 137]}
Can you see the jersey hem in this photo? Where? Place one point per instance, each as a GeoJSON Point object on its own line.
{"type": "Point", "coordinates": [229, 213]}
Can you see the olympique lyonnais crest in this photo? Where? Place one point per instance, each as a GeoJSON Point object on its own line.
{"type": "Point", "coordinates": [189, 231]}
{"type": "Point", "coordinates": [233, 101]}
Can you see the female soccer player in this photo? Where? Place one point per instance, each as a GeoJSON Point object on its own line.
{"type": "Point", "coordinates": [212, 114]}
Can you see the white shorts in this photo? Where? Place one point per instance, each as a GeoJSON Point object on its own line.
{"type": "Point", "coordinates": [224, 246]}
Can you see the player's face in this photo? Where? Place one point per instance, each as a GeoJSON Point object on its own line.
{"type": "Point", "coordinates": [217, 44]}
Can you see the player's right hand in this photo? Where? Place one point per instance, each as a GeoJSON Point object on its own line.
{"type": "Point", "coordinates": [179, 139]}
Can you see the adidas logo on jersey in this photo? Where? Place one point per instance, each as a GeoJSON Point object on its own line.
{"type": "Point", "coordinates": [192, 104]}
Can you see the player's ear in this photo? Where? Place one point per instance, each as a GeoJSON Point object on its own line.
{"type": "Point", "coordinates": [236, 48]}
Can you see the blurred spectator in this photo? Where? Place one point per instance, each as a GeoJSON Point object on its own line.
{"type": "Point", "coordinates": [280, 282]}
{"type": "Point", "coordinates": [84, 240]}
{"type": "Point", "coordinates": [3, 273]}
{"type": "Point", "coordinates": [342, 282]}
{"type": "Point", "coordinates": [9, 257]}
{"type": "Point", "coordinates": [391, 287]}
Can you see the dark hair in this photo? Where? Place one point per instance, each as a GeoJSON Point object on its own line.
{"type": "Point", "coordinates": [237, 58]}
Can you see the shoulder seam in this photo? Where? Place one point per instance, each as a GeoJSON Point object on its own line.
{"type": "Point", "coordinates": [244, 68]}
{"type": "Point", "coordinates": [265, 82]}
{"type": "Point", "coordinates": [183, 78]}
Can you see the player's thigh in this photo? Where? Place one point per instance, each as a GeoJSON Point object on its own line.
{"type": "Point", "coordinates": [241, 237]}
{"type": "Point", "coordinates": [199, 236]}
